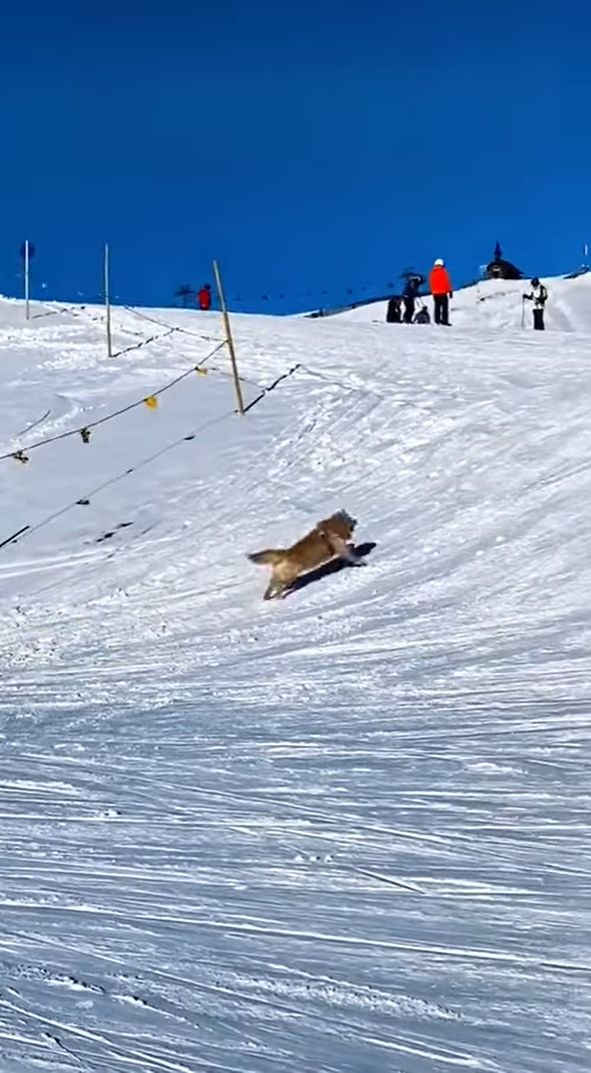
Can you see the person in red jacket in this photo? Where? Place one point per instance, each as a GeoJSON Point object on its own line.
{"type": "Point", "coordinates": [204, 297]}
{"type": "Point", "coordinates": [442, 291]}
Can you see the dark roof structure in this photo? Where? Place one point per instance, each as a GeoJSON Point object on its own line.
{"type": "Point", "coordinates": [499, 268]}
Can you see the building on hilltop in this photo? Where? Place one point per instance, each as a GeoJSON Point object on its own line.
{"type": "Point", "coordinates": [499, 268]}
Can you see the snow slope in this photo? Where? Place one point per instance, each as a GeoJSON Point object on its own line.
{"type": "Point", "coordinates": [494, 305]}
{"type": "Point", "coordinates": [343, 832]}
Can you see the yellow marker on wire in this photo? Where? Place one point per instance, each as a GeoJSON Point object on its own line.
{"type": "Point", "coordinates": [151, 402]}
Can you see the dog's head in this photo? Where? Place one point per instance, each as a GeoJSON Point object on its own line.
{"type": "Point", "coordinates": [341, 523]}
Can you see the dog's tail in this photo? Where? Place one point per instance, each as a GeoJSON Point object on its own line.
{"type": "Point", "coordinates": [268, 557]}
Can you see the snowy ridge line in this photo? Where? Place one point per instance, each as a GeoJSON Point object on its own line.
{"type": "Point", "coordinates": [75, 310]}
{"type": "Point", "coordinates": [72, 310]}
{"type": "Point", "coordinates": [108, 417]}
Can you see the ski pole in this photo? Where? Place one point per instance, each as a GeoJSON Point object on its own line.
{"type": "Point", "coordinates": [523, 311]}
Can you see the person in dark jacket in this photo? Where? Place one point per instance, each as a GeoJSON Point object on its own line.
{"type": "Point", "coordinates": [394, 311]}
{"type": "Point", "coordinates": [410, 294]}
{"type": "Point", "coordinates": [423, 316]}
{"type": "Point", "coordinates": [539, 296]}
{"type": "Point", "coordinates": [204, 297]}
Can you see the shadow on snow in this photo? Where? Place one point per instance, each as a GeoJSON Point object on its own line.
{"type": "Point", "coordinates": [333, 567]}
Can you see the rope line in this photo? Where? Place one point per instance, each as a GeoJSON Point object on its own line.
{"type": "Point", "coordinates": [115, 413]}
{"type": "Point", "coordinates": [143, 343]}
{"type": "Point", "coordinates": [33, 424]}
{"type": "Point", "coordinates": [163, 324]}
{"type": "Point", "coordinates": [18, 533]}
{"type": "Point", "coordinates": [184, 331]}
{"type": "Point", "coordinates": [271, 387]}
{"type": "Point", "coordinates": [197, 335]}
{"type": "Point", "coordinates": [85, 499]}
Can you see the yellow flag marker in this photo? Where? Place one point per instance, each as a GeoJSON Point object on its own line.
{"type": "Point", "coordinates": [151, 402]}
{"type": "Point", "coordinates": [200, 371]}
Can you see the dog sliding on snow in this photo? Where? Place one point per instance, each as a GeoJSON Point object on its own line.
{"type": "Point", "coordinates": [327, 540]}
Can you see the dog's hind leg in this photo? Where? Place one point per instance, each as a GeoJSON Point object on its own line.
{"type": "Point", "coordinates": [274, 588]}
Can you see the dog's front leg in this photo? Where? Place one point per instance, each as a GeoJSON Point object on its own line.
{"type": "Point", "coordinates": [343, 550]}
{"type": "Point", "coordinates": [350, 557]}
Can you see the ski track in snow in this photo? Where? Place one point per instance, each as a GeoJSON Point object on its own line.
{"type": "Point", "coordinates": [346, 832]}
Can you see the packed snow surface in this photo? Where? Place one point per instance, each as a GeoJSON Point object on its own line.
{"type": "Point", "coordinates": [346, 832]}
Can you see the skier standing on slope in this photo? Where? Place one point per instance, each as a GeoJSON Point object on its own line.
{"type": "Point", "coordinates": [204, 297]}
{"type": "Point", "coordinates": [410, 295]}
{"type": "Point", "coordinates": [539, 296]}
{"type": "Point", "coordinates": [442, 290]}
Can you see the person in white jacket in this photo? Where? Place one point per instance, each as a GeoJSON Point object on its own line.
{"type": "Point", "coordinates": [539, 296]}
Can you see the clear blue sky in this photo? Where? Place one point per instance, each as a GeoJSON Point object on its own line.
{"type": "Point", "coordinates": [311, 147]}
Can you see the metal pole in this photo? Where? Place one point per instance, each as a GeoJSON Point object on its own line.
{"type": "Point", "coordinates": [108, 302]}
{"type": "Point", "coordinates": [27, 261]}
{"type": "Point", "coordinates": [229, 339]}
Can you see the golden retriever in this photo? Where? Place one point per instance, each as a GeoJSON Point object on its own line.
{"type": "Point", "coordinates": [327, 540]}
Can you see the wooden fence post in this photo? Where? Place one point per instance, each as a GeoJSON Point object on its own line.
{"type": "Point", "coordinates": [229, 339]}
